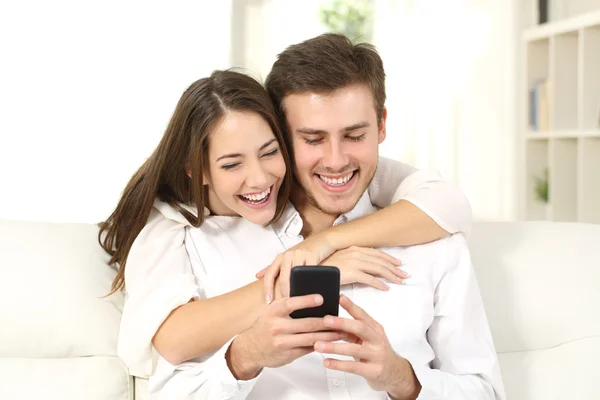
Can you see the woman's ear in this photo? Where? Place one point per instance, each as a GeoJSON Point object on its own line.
{"type": "Point", "coordinates": [188, 171]}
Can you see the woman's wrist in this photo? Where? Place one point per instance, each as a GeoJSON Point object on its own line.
{"type": "Point", "coordinates": [334, 239]}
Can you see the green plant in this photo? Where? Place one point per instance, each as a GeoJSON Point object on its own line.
{"type": "Point", "coordinates": [352, 18]}
{"type": "Point", "coordinates": [541, 187]}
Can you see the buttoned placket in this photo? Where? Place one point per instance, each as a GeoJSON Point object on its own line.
{"type": "Point", "coordinates": [336, 380]}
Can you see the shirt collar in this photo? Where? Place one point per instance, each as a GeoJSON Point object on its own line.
{"type": "Point", "coordinates": [291, 222]}
{"type": "Point", "coordinates": [363, 207]}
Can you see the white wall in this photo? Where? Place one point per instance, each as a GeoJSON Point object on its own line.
{"type": "Point", "coordinates": [86, 89]}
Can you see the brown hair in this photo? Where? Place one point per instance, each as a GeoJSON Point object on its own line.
{"type": "Point", "coordinates": [185, 144]}
{"type": "Point", "coordinates": [324, 64]}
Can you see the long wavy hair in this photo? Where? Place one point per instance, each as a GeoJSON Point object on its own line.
{"type": "Point", "coordinates": [184, 145]}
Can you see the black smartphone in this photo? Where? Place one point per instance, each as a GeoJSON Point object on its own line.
{"type": "Point", "coordinates": [323, 280]}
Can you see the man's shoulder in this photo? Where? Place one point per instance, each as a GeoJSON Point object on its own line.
{"type": "Point", "coordinates": [439, 253]}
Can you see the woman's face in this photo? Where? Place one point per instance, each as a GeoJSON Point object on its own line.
{"type": "Point", "coordinates": [246, 168]}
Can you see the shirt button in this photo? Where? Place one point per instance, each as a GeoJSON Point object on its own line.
{"type": "Point", "coordinates": [336, 383]}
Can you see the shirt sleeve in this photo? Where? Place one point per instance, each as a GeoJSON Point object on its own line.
{"type": "Point", "coordinates": [206, 378]}
{"type": "Point", "coordinates": [440, 199]}
{"type": "Point", "coordinates": [158, 279]}
{"type": "Point", "coordinates": [465, 365]}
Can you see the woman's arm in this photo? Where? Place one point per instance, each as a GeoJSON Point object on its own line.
{"type": "Point", "coordinates": [419, 207]}
{"type": "Point", "coordinates": [202, 326]}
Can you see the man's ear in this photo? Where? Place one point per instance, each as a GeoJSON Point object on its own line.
{"type": "Point", "coordinates": [381, 128]}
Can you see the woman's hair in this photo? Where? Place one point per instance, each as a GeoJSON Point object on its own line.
{"type": "Point", "coordinates": [185, 145]}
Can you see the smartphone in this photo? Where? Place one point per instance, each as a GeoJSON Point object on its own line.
{"type": "Point", "coordinates": [319, 279]}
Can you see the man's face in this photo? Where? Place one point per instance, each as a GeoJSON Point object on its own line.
{"type": "Point", "coordinates": [335, 139]}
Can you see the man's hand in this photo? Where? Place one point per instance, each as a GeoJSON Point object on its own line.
{"type": "Point", "coordinates": [275, 339]}
{"type": "Point", "coordinates": [374, 358]}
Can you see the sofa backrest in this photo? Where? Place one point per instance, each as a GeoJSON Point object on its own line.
{"type": "Point", "coordinates": [58, 335]}
{"type": "Point", "coordinates": [540, 282]}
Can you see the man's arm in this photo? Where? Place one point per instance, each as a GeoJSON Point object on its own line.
{"type": "Point", "coordinates": [205, 378]}
{"type": "Point", "coordinates": [465, 364]}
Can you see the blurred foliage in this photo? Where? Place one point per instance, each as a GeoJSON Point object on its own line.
{"type": "Point", "coordinates": [353, 18]}
{"type": "Point", "coordinates": [541, 187]}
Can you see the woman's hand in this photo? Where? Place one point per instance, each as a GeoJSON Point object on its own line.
{"type": "Point", "coordinates": [310, 251]}
{"type": "Point", "coordinates": [364, 265]}
{"type": "Point", "coordinates": [356, 265]}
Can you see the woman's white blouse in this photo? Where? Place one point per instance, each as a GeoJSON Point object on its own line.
{"type": "Point", "coordinates": [159, 277]}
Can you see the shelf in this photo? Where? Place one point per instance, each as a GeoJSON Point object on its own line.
{"type": "Point", "coordinates": [536, 167]}
{"type": "Point", "coordinates": [590, 82]}
{"type": "Point", "coordinates": [589, 184]}
{"type": "Point", "coordinates": [564, 52]}
{"type": "Point", "coordinates": [561, 135]}
{"type": "Point", "coordinates": [561, 27]}
{"type": "Point", "coordinates": [563, 179]}
{"type": "Point", "coordinates": [592, 133]}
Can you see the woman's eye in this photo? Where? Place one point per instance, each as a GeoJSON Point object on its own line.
{"type": "Point", "coordinates": [271, 153]}
{"type": "Point", "coordinates": [229, 166]}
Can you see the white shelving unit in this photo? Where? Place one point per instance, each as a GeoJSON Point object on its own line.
{"type": "Point", "coordinates": [565, 55]}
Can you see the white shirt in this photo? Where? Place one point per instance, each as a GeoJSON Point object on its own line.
{"type": "Point", "coordinates": [159, 275]}
{"type": "Point", "coordinates": [436, 320]}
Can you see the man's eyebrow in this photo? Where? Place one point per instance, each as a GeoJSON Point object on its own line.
{"type": "Point", "coordinates": [350, 128]}
{"type": "Point", "coordinates": [234, 155]}
{"type": "Point", "coordinates": [311, 131]}
{"type": "Point", "coordinates": [358, 125]}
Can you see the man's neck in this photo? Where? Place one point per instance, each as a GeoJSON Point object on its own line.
{"type": "Point", "coordinates": [314, 220]}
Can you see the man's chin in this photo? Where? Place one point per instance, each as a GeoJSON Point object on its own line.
{"type": "Point", "coordinates": [335, 206]}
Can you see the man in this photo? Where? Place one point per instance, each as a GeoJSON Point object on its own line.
{"type": "Point", "coordinates": [426, 339]}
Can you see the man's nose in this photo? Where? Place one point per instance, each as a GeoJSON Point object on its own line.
{"type": "Point", "coordinates": [335, 158]}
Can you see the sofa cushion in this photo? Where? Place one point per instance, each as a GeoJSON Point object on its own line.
{"type": "Point", "coordinates": [539, 282]}
{"type": "Point", "coordinates": [89, 378]}
{"type": "Point", "coordinates": [53, 279]}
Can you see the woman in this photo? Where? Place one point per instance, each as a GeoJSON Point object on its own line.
{"type": "Point", "coordinates": [194, 182]}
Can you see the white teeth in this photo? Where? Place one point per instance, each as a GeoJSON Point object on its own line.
{"type": "Point", "coordinates": [257, 197]}
{"type": "Point", "coordinates": [338, 181]}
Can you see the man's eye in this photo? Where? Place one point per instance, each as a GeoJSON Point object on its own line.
{"type": "Point", "coordinates": [313, 141]}
{"type": "Point", "coordinates": [229, 166]}
{"type": "Point", "coordinates": [356, 138]}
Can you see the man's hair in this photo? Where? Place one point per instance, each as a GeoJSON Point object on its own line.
{"type": "Point", "coordinates": [324, 64]}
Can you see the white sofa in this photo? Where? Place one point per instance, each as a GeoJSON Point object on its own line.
{"type": "Point", "coordinates": [58, 334]}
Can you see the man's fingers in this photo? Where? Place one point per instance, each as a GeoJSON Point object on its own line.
{"type": "Point", "coordinates": [352, 367]}
{"type": "Point", "coordinates": [307, 339]}
{"type": "Point", "coordinates": [355, 311]}
{"type": "Point", "coordinates": [342, 349]}
{"type": "Point", "coordinates": [362, 325]}
{"type": "Point", "coordinates": [305, 325]}
{"type": "Point", "coordinates": [284, 307]}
